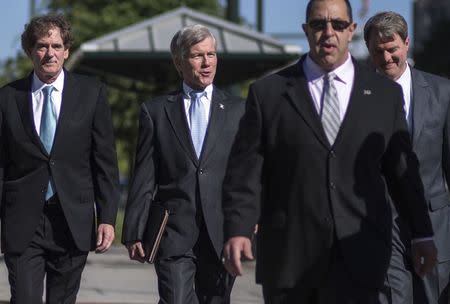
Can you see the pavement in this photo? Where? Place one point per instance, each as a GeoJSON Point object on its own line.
{"type": "Point", "coordinates": [111, 278]}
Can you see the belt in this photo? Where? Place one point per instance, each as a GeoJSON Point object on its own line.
{"type": "Point", "coordinates": [52, 201]}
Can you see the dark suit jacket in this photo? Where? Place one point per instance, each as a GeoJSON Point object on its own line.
{"type": "Point", "coordinates": [431, 143]}
{"type": "Point", "coordinates": [315, 196]}
{"type": "Point", "coordinates": [167, 171]}
{"type": "Point", "coordinates": [82, 162]}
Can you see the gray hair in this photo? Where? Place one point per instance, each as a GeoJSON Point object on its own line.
{"type": "Point", "coordinates": [386, 24]}
{"type": "Point", "coordinates": [185, 38]}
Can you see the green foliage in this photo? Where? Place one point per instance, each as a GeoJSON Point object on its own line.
{"type": "Point", "coordinates": [118, 227]}
{"type": "Point", "coordinates": [93, 18]}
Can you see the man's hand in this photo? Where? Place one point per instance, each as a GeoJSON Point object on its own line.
{"type": "Point", "coordinates": [136, 251]}
{"type": "Point", "coordinates": [105, 237]}
{"type": "Point", "coordinates": [424, 256]}
{"type": "Point", "coordinates": [234, 249]}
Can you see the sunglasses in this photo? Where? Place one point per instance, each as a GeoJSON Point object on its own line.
{"type": "Point", "coordinates": [321, 24]}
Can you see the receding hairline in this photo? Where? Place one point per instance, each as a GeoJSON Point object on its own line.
{"type": "Point", "coordinates": [346, 2]}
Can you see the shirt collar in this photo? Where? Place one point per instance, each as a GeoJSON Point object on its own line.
{"type": "Point", "coordinates": [38, 84]}
{"type": "Point", "coordinates": [208, 90]}
{"type": "Point", "coordinates": [314, 72]}
{"type": "Point", "coordinates": [405, 78]}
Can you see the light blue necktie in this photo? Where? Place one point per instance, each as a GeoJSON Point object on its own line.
{"type": "Point", "coordinates": [197, 120]}
{"type": "Point", "coordinates": [47, 129]}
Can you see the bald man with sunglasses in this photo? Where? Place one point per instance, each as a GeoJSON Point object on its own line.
{"type": "Point", "coordinates": [321, 145]}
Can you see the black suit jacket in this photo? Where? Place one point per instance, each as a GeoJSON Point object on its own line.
{"type": "Point", "coordinates": [82, 162]}
{"type": "Point", "coordinates": [315, 197]}
{"type": "Point", "coordinates": [167, 171]}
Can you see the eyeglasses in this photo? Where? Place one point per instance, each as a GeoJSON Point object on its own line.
{"type": "Point", "coordinates": [321, 24]}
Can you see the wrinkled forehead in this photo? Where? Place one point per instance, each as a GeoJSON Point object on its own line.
{"type": "Point", "coordinates": [50, 32]}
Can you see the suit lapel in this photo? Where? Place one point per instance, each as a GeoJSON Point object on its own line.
{"type": "Point", "coordinates": [69, 100]}
{"type": "Point", "coordinates": [300, 97]}
{"type": "Point", "coordinates": [177, 116]}
{"type": "Point", "coordinates": [215, 125]}
{"type": "Point", "coordinates": [25, 106]}
{"type": "Point", "coordinates": [419, 99]}
{"type": "Point", "coordinates": [360, 90]}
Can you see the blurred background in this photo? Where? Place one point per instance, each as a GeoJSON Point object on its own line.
{"type": "Point", "coordinates": [125, 44]}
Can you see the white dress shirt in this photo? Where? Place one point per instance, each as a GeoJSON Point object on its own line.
{"type": "Point", "coordinates": [343, 82]}
{"type": "Point", "coordinates": [205, 100]}
{"type": "Point", "coordinates": [38, 97]}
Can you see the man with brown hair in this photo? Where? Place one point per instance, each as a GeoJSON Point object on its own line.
{"type": "Point", "coordinates": [427, 111]}
{"type": "Point", "coordinates": [58, 169]}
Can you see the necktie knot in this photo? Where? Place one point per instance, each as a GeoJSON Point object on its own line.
{"type": "Point", "coordinates": [196, 95]}
{"type": "Point", "coordinates": [47, 90]}
{"type": "Point", "coordinates": [329, 77]}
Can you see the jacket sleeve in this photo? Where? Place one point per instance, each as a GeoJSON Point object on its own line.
{"type": "Point", "coordinates": [142, 185]}
{"type": "Point", "coordinates": [242, 184]}
{"type": "Point", "coordinates": [104, 166]}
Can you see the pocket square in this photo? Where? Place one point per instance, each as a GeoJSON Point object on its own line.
{"type": "Point", "coordinates": [221, 106]}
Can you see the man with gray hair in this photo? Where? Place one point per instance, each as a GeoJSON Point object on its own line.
{"type": "Point", "coordinates": [426, 105]}
{"type": "Point", "coordinates": [183, 145]}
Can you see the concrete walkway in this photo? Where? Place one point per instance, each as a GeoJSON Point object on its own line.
{"type": "Point", "coordinates": [113, 278]}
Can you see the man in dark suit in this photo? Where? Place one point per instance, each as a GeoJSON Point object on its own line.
{"type": "Point", "coordinates": [57, 162]}
{"type": "Point", "coordinates": [427, 99]}
{"type": "Point", "coordinates": [322, 142]}
{"type": "Point", "coordinates": [183, 146]}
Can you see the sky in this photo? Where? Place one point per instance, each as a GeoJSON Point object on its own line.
{"type": "Point", "coordinates": [282, 18]}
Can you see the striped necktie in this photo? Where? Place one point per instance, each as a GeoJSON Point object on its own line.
{"type": "Point", "coordinates": [330, 112]}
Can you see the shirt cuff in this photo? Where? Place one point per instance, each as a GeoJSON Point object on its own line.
{"type": "Point", "coordinates": [424, 239]}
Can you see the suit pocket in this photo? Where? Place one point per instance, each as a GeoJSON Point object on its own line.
{"type": "Point", "coordinates": [24, 181]}
{"type": "Point", "coordinates": [439, 201]}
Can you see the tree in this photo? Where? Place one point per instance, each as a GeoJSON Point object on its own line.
{"type": "Point", "coordinates": [93, 18]}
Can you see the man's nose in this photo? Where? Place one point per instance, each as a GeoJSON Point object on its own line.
{"type": "Point", "coordinates": [50, 51]}
{"type": "Point", "coordinates": [206, 60]}
{"type": "Point", "coordinates": [329, 30]}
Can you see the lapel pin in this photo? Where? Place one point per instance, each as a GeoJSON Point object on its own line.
{"type": "Point", "coordinates": [367, 92]}
{"type": "Point", "coordinates": [221, 106]}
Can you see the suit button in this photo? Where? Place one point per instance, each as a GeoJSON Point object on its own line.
{"type": "Point", "coordinates": [332, 185]}
{"type": "Point", "coordinates": [332, 154]}
{"type": "Point", "coordinates": [328, 219]}
{"type": "Point", "coordinates": [52, 162]}
{"type": "Point", "coordinates": [201, 171]}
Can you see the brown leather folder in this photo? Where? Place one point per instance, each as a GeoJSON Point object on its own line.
{"type": "Point", "coordinates": [156, 224]}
